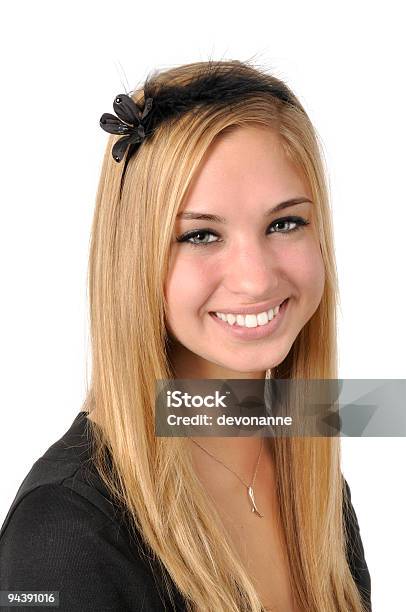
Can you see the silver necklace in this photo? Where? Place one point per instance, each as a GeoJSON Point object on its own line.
{"type": "Point", "coordinates": [249, 487]}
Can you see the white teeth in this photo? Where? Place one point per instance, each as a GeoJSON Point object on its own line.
{"type": "Point", "coordinates": [250, 320]}
{"type": "Point", "coordinates": [262, 318]}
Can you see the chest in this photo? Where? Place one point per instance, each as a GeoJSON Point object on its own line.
{"type": "Point", "coordinates": [262, 549]}
{"type": "Point", "coordinates": [259, 541]}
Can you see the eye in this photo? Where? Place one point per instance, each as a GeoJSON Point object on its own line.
{"type": "Point", "coordinates": [285, 225]}
{"type": "Point", "coordinates": [195, 234]}
{"type": "Point", "coordinates": [297, 222]}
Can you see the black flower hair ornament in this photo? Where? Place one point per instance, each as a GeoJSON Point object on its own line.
{"type": "Point", "coordinates": [215, 85]}
{"type": "Point", "coordinates": [130, 121]}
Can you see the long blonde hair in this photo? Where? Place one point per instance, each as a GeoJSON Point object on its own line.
{"type": "Point", "coordinates": [150, 476]}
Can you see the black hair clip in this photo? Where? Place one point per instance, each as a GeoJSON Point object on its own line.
{"type": "Point", "coordinates": [215, 85]}
{"type": "Point", "coordinates": [129, 121]}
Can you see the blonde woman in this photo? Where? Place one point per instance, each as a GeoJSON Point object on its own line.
{"type": "Point", "coordinates": [212, 208]}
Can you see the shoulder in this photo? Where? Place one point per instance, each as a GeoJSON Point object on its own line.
{"type": "Point", "coordinates": [56, 540]}
{"type": "Point", "coordinates": [51, 539]}
{"type": "Point", "coordinates": [355, 549]}
{"type": "Point", "coordinates": [66, 474]}
{"type": "Point", "coordinates": [53, 509]}
{"type": "Point", "coordinates": [49, 545]}
{"type": "Point", "coordinates": [63, 532]}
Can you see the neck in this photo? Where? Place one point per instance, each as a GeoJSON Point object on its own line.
{"type": "Point", "coordinates": [238, 454]}
{"type": "Point", "coordinates": [188, 365]}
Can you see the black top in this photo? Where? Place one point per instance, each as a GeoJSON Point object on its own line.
{"type": "Point", "coordinates": [63, 533]}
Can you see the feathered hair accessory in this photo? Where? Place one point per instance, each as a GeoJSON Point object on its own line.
{"type": "Point", "coordinates": [216, 85]}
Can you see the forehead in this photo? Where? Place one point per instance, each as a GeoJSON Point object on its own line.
{"type": "Point", "coordinates": [248, 163]}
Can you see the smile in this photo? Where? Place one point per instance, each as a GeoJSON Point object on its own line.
{"type": "Point", "coordinates": [251, 326]}
{"type": "Point", "coordinates": [250, 320]}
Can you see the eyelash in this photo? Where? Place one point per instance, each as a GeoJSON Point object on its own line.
{"type": "Point", "coordinates": [299, 221]}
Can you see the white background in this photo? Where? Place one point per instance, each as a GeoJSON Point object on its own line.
{"type": "Point", "coordinates": [62, 63]}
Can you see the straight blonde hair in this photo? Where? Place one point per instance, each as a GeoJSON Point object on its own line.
{"type": "Point", "coordinates": [152, 477]}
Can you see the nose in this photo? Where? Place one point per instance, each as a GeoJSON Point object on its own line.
{"type": "Point", "coordinates": [251, 270]}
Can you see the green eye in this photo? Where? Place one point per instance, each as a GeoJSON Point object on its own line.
{"type": "Point", "coordinates": [297, 223]}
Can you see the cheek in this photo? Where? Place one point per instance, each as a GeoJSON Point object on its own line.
{"type": "Point", "coordinates": [309, 270]}
{"type": "Point", "coordinates": [189, 284]}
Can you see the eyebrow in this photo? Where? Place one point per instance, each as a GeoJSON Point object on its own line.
{"type": "Point", "coordinates": [207, 217]}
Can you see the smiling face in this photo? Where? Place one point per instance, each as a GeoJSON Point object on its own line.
{"type": "Point", "coordinates": [248, 262]}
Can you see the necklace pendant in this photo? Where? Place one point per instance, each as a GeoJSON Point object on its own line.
{"type": "Point", "coordinates": [252, 498]}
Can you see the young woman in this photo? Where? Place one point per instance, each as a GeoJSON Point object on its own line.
{"type": "Point", "coordinates": [212, 208]}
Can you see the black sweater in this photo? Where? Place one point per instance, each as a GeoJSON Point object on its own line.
{"type": "Point", "coordinates": [63, 533]}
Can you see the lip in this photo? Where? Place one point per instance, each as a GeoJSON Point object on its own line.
{"type": "Point", "coordinates": [244, 310]}
{"type": "Point", "coordinates": [254, 333]}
